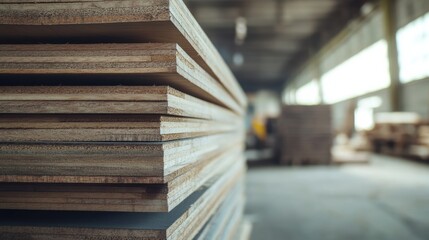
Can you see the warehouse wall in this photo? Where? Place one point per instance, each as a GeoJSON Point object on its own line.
{"type": "Point", "coordinates": [416, 97]}
{"type": "Point", "coordinates": [358, 36]}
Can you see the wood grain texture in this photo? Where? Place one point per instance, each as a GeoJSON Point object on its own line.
{"type": "Point", "coordinates": [143, 64]}
{"type": "Point", "coordinates": [108, 100]}
{"type": "Point", "coordinates": [100, 162]}
{"type": "Point", "coordinates": [115, 21]}
{"type": "Point", "coordinates": [117, 197]}
{"type": "Point", "coordinates": [105, 128]}
{"type": "Point", "coordinates": [184, 222]}
{"type": "Point", "coordinates": [224, 222]}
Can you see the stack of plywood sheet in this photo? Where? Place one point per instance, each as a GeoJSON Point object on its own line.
{"type": "Point", "coordinates": [305, 134]}
{"type": "Point", "coordinates": [395, 133]}
{"type": "Point", "coordinates": [420, 143]}
{"type": "Point", "coordinates": [118, 120]}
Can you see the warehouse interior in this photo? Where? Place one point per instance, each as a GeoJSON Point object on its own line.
{"type": "Point", "coordinates": [368, 61]}
{"type": "Point", "coordinates": [214, 119]}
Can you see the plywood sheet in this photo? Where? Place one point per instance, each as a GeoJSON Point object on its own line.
{"type": "Point", "coordinates": [108, 100]}
{"type": "Point", "coordinates": [102, 128]}
{"type": "Point", "coordinates": [140, 64]}
{"type": "Point", "coordinates": [184, 222]}
{"type": "Point", "coordinates": [102, 162]}
{"type": "Point", "coordinates": [114, 21]}
{"type": "Point", "coordinates": [117, 197]}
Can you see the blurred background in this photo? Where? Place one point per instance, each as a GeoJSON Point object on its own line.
{"type": "Point", "coordinates": [338, 120]}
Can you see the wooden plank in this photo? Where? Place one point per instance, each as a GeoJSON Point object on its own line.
{"type": "Point", "coordinates": [183, 222]}
{"type": "Point", "coordinates": [138, 64]}
{"type": "Point", "coordinates": [116, 197]}
{"type": "Point", "coordinates": [115, 21]}
{"type": "Point", "coordinates": [110, 128]}
{"type": "Point", "coordinates": [108, 100]}
{"type": "Point", "coordinates": [226, 215]}
{"type": "Point", "coordinates": [244, 231]}
{"type": "Point", "coordinates": [101, 162]}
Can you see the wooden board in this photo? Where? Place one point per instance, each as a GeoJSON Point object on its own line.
{"type": "Point", "coordinates": [108, 100]}
{"type": "Point", "coordinates": [138, 64]}
{"type": "Point", "coordinates": [128, 21]}
{"type": "Point", "coordinates": [110, 128]}
{"type": "Point", "coordinates": [223, 222]}
{"type": "Point", "coordinates": [117, 197]}
{"type": "Point", "coordinates": [106, 162]}
{"type": "Point", "coordinates": [244, 231]}
{"type": "Point", "coordinates": [184, 222]}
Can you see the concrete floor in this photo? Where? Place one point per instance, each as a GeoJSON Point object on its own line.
{"type": "Point", "coordinates": [388, 199]}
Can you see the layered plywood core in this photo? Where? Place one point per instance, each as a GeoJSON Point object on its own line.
{"type": "Point", "coordinates": [143, 64]}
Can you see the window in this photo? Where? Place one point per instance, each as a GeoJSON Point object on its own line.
{"type": "Point", "coordinates": [364, 113]}
{"type": "Point", "coordinates": [413, 50]}
{"type": "Point", "coordinates": [363, 73]}
{"type": "Point", "coordinates": [308, 94]}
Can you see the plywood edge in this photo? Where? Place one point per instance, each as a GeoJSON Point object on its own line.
{"type": "Point", "coordinates": [189, 69]}
{"type": "Point", "coordinates": [211, 59]}
{"type": "Point", "coordinates": [83, 12]}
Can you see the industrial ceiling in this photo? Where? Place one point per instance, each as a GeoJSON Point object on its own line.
{"type": "Point", "coordinates": [265, 41]}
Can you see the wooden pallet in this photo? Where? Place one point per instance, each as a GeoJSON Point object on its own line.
{"type": "Point", "coordinates": [137, 64]}
{"type": "Point", "coordinates": [305, 134]}
{"type": "Point", "coordinates": [184, 222]}
{"type": "Point", "coordinates": [114, 21]}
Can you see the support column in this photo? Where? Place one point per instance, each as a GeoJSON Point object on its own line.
{"type": "Point", "coordinates": [389, 27]}
{"type": "Point", "coordinates": [318, 74]}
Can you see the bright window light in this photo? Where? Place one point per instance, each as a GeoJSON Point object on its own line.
{"type": "Point", "coordinates": [370, 102]}
{"type": "Point", "coordinates": [363, 73]}
{"type": "Point", "coordinates": [308, 94]}
{"type": "Point", "coordinates": [364, 113]}
{"type": "Point", "coordinates": [413, 50]}
{"type": "Point", "coordinates": [364, 119]}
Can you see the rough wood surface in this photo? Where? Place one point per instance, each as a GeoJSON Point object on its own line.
{"type": "Point", "coordinates": [142, 64]}
{"type": "Point", "coordinates": [102, 128]}
{"type": "Point", "coordinates": [108, 100]}
{"type": "Point", "coordinates": [106, 161]}
{"type": "Point", "coordinates": [222, 224]}
{"type": "Point", "coordinates": [115, 21]}
{"type": "Point", "coordinates": [184, 222]}
{"type": "Point", "coordinates": [117, 197]}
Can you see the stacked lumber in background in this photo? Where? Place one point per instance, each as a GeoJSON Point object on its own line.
{"type": "Point", "coordinates": [305, 134]}
{"type": "Point", "coordinates": [118, 120]}
{"type": "Point", "coordinates": [420, 147]}
{"type": "Point", "coordinates": [403, 134]}
{"type": "Point", "coordinates": [395, 132]}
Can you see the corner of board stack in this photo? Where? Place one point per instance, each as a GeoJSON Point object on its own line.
{"type": "Point", "coordinates": [118, 120]}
